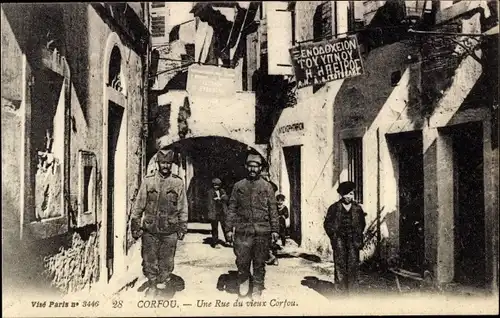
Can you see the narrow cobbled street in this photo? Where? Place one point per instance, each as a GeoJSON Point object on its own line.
{"type": "Point", "coordinates": [203, 270]}
{"type": "Point", "coordinates": [205, 277]}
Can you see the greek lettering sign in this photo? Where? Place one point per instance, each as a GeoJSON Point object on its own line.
{"type": "Point", "coordinates": [211, 80]}
{"type": "Point", "coordinates": [291, 127]}
{"type": "Point", "coordinates": [326, 61]}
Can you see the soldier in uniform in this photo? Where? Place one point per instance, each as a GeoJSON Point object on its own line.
{"type": "Point", "coordinates": [161, 203]}
{"type": "Point", "coordinates": [344, 224]}
{"type": "Point", "coordinates": [253, 216]}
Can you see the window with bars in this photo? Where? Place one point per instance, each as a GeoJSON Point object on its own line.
{"type": "Point", "coordinates": [158, 26]}
{"type": "Point", "coordinates": [354, 148]}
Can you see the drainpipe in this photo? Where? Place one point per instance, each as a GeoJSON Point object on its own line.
{"type": "Point", "coordinates": [335, 20]}
{"type": "Point", "coordinates": [379, 256]}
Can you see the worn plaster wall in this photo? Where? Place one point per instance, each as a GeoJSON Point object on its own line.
{"type": "Point", "coordinates": [12, 114]}
{"type": "Point", "coordinates": [369, 104]}
{"type": "Point", "coordinates": [87, 104]}
{"type": "Point", "coordinates": [363, 105]}
{"type": "Point", "coordinates": [231, 116]}
{"type": "Point", "coordinates": [316, 139]}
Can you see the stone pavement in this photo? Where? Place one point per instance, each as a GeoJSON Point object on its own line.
{"type": "Point", "coordinates": [300, 285]}
{"type": "Point", "coordinates": [203, 270]}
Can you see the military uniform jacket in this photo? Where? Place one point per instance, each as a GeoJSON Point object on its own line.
{"type": "Point", "coordinates": [252, 207]}
{"type": "Point", "coordinates": [333, 222]}
{"type": "Point", "coordinates": [161, 204]}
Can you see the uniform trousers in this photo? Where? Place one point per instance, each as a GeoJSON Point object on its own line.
{"type": "Point", "coordinates": [158, 252]}
{"type": "Point", "coordinates": [251, 248]}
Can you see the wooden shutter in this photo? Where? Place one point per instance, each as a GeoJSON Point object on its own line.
{"type": "Point", "coordinates": [252, 58]}
{"type": "Point", "coordinates": [279, 38]}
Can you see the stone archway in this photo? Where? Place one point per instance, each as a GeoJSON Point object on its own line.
{"type": "Point", "coordinates": [200, 159]}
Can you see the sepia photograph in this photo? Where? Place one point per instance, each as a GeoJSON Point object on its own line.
{"type": "Point", "coordinates": [250, 158]}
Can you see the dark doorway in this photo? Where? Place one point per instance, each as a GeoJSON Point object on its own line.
{"type": "Point", "coordinates": [293, 161]}
{"type": "Point", "coordinates": [211, 157]}
{"type": "Point", "coordinates": [469, 204]}
{"type": "Point", "coordinates": [115, 114]}
{"type": "Point", "coordinates": [409, 152]}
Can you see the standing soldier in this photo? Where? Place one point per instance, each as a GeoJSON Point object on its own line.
{"type": "Point", "coordinates": [162, 200]}
{"type": "Point", "coordinates": [253, 215]}
{"type": "Point", "coordinates": [344, 224]}
{"type": "Point", "coordinates": [216, 206]}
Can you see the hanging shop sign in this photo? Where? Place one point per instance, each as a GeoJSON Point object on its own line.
{"type": "Point", "coordinates": [326, 61]}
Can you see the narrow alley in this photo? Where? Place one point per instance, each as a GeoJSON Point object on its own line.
{"type": "Point", "coordinates": [301, 283]}
{"type": "Point", "coordinates": [201, 270]}
{"type": "Point", "coordinates": [356, 141]}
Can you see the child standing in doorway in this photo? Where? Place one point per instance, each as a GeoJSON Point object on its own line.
{"type": "Point", "coordinates": [282, 216]}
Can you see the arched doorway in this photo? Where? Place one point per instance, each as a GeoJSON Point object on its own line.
{"type": "Point", "coordinates": [204, 158]}
{"type": "Point", "coordinates": [114, 183]}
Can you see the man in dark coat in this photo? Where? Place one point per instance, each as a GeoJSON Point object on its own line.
{"type": "Point", "coordinates": [160, 216]}
{"type": "Point", "coordinates": [253, 216]}
{"type": "Point", "coordinates": [216, 210]}
{"type": "Point", "coordinates": [344, 224]}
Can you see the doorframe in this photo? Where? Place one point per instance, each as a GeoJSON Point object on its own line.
{"type": "Point", "coordinates": [120, 224]}
{"type": "Point", "coordinates": [395, 153]}
{"type": "Point", "coordinates": [439, 204]}
{"type": "Point", "coordinates": [302, 199]}
{"type": "Point", "coordinates": [451, 188]}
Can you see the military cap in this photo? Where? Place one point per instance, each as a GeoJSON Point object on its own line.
{"type": "Point", "coordinates": [165, 155]}
{"type": "Point", "coordinates": [216, 181]}
{"type": "Point", "coordinates": [346, 187]}
{"type": "Point", "coordinates": [254, 158]}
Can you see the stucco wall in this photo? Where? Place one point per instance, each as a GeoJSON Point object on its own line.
{"type": "Point", "coordinates": [84, 38]}
{"type": "Point", "coordinates": [315, 111]}
{"type": "Point", "coordinates": [11, 130]}
{"type": "Point", "coordinates": [231, 116]}
{"type": "Point", "coordinates": [362, 105]}
{"type": "Point", "coordinates": [359, 107]}
{"type": "Point", "coordinates": [87, 59]}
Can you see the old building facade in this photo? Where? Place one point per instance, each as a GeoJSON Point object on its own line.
{"type": "Point", "coordinates": [201, 103]}
{"type": "Point", "coordinates": [424, 158]}
{"type": "Point", "coordinates": [73, 114]}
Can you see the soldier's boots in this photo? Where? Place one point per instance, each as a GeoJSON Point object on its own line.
{"type": "Point", "coordinates": [151, 291]}
{"type": "Point", "coordinates": [163, 285]}
{"type": "Point", "coordinates": [257, 293]}
{"type": "Point", "coordinates": [244, 288]}
{"type": "Point", "coordinates": [273, 260]}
